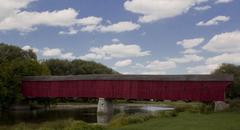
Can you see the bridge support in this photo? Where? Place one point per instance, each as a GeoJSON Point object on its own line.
{"type": "Point", "coordinates": [220, 106]}
{"type": "Point", "coordinates": [105, 106]}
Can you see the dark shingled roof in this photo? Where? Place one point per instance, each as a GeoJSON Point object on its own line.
{"type": "Point", "coordinates": [132, 77]}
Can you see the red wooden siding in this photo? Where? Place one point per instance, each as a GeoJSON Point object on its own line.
{"type": "Point", "coordinates": [128, 89]}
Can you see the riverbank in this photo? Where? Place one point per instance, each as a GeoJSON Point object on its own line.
{"type": "Point", "coordinates": [190, 121]}
{"type": "Point", "coordinates": [183, 121]}
{"type": "Point", "coordinates": [186, 116]}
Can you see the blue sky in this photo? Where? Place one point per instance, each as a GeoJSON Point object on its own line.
{"type": "Point", "coordinates": [131, 36]}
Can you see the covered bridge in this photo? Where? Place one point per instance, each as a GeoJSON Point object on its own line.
{"type": "Point", "coordinates": [203, 88]}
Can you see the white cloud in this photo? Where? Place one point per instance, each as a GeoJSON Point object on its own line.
{"type": "Point", "coordinates": [10, 7]}
{"type": "Point", "coordinates": [190, 43]}
{"type": "Point", "coordinates": [92, 57]}
{"type": "Point", "coordinates": [115, 40]}
{"type": "Point", "coordinates": [157, 65]}
{"type": "Point", "coordinates": [91, 20]}
{"type": "Point", "coordinates": [202, 69]}
{"type": "Point", "coordinates": [123, 63]}
{"type": "Point", "coordinates": [191, 51]}
{"type": "Point", "coordinates": [27, 21]}
{"type": "Point", "coordinates": [68, 55]}
{"type": "Point", "coordinates": [222, 1]}
{"type": "Point", "coordinates": [124, 26]}
{"type": "Point", "coordinates": [120, 27]}
{"type": "Point", "coordinates": [232, 58]}
{"type": "Point", "coordinates": [153, 72]}
{"type": "Point", "coordinates": [27, 47]}
{"type": "Point", "coordinates": [57, 53]}
{"type": "Point", "coordinates": [187, 59]}
{"type": "Point", "coordinates": [71, 31]}
{"type": "Point", "coordinates": [224, 42]}
{"type": "Point", "coordinates": [51, 52]}
{"type": "Point", "coordinates": [214, 21]}
{"type": "Point", "coordinates": [202, 8]}
{"type": "Point", "coordinates": [153, 10]}
{"type": "Point", "coordinates": [114, 50]}
{"type": "Point", "coordinates": [12, 17]}
{"type": "Point", "coordinates": [89, 28]}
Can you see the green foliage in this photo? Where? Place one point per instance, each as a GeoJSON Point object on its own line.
{"type": "Point", "coordinates": [10, 53]}
{"type": "Point", "coordinates": [16, 63]}
{"type": "Point", "coordinates": [206, 108]}
{"type": "Point", "coordinates": [125, 119]}
{"type": "Point", "coordinates": [234, 105]}
{"type": "Point", "coordinates": [172, 113]}
{"type": "Point", "coordinates": [58, 125]}
{"type": "Point", "coordinates": [76, 67]}
{"type": "Point", "coordinates": [234, 70]}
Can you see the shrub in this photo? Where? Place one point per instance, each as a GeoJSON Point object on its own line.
{"type": "Point", "coordinates": [234, 105]}
{"type": "Point", "coordinates": [173, 113]}
{"type": "Point", "coordinates": [206, 108]}
{"type": "Point", "coordinates": [124, 119]}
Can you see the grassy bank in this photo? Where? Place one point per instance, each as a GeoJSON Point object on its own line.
{"type": "Point", "coordinates": [168, 121]}
{"type": "Point", "coordinates": [186, 116]}
{"type": "Point", "coordinates": [190, 121]}
{"type": "Point", "coordinates": [55, 125]}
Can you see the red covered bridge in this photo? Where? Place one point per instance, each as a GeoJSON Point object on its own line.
{"type": "Point", "coordinates": [139, 87]}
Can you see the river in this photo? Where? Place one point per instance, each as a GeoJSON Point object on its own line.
{"type": "Point", "coordinates": [87, 113]}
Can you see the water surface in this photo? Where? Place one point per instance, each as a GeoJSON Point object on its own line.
{"type": "Point", "coordinates": [87, 114]}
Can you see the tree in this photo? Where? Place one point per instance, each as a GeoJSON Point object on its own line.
{"type": "Point", "coordinates": [76, 67]}
{"type": "Point", "coordinates": [235, 71]}
{"type": "Point", "coordinates": [10, 52]}
{"type": "Point", "coordinates": [16, 63]}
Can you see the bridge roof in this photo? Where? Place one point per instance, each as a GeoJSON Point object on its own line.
{"type": "Point", "coordinates": [132, 77]}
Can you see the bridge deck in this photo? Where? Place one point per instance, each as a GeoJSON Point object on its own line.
{"type": "Point", "coordinates": [139, 87]}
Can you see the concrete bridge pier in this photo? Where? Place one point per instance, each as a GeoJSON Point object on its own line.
{"type": "Point", "coordinates": [105, 106]}
{"type": "Point", "coordinates": [220, 106]}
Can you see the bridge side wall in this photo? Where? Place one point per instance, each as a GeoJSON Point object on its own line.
{"type": "Point", "coordinates": [128, 89]}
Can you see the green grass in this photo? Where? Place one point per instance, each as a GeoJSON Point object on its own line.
{"type": "Point", "coordinates": [190, 121]}
{"type": "Point", "coordinates": [55, 125]}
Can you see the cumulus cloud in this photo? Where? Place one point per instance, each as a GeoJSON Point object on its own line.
{"type": "Point", "coordinates": [191, 51]}
{"type": "Point", "coordinates": [123, 63]}
{"type": "Point", "coordinates": [153, 10]}
{"type": "Point", "coordinates": [11, 7]}
{"type": "Point", "coordinates": [27, 48]}
{"type": "Point", "coordinates": [214, 21]}
{"type": "Point", "coordinates": [153, 67]}
{"type": "Point", "coordinates": [27, 21]}
{"type": "Point", "coordinates": [51, 52]}
{"type": "Point", "coordinates": [190, 43]}
{"type": "Point", "coordinates": [57, 53]}
{"type": "Point", "coordinates": [202, 69]}
{"type": "Point", "coordinates": [152, 72]}
{"type": "Point", "coordinates": [71, 31]}
{"type": "Point", "coordinates": [14, 17]}
{"type": "Point", "coordinates": [187, 59]}
{"type": "Point", "coordinates": [231, 58]}
{"type": "Point", "coordinates": [223, 1]}
{"type": "Point", "coordinates": [202, 8]}
{"type": "Point", "coordinates": [115, 50]}
{"type": "Point", "coordinates": [120, 27]}
{"type": "Point", "coordinates": [91, 20]}
{"type": "Point", "coordinates": [115, 40]}
{"type": "Point", "coordinates": [157, 65]}
{"type": "Point", "coordinates": [228, 42]}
